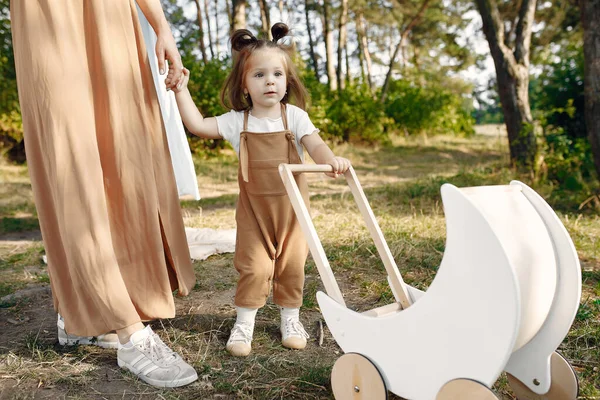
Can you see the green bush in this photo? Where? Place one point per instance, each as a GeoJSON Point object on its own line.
{"type": "Point", "coordinates": [568, 160]}
{"type": "Point", "coordinates": [568, 171]}
{"type": "Point", "coordinates": [557, 97]}
{"type": "Point", "coordinates": [557, 94]}
{"type": "Point", "coordinates": [427, 108]}
{"type": "Point", "coordinates": [11, 129]}
{"type": "Point", "coordinates": [353, 115]}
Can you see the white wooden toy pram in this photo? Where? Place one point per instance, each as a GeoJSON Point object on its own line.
{"type": "Point", "coordinates": [503, 299]}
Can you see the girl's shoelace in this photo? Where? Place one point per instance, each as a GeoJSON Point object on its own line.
{"type": "Point", "coordinates": [293, 327]}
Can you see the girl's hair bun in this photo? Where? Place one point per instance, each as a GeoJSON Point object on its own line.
{"type": "Point", "coordinates": [242, 38]}
{"type": "Point", "coordinates": [279, 31]}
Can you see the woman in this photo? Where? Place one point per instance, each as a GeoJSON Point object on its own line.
{"type": "Point", "coordinates": [101, 173]}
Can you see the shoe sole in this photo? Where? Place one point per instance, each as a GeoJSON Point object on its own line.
{"type": "Point", "coordinates": [153, 382]}
{"type": "Point", "coordinates": [239, 353]}
{"type": "Point", "coordinates": [293, 343]}
{"type": "Point", "coordinates": [86, 342]}
{"type": "Point", "coordinates": [294, 347]}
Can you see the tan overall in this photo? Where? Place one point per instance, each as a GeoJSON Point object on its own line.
{"type": "Point", "coordinates": [270, 245]}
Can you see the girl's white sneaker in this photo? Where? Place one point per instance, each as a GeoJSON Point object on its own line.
{"type": "Point", "coordinates": [239, 343]}
{"type": "Point", "coordinates": [293, 335]}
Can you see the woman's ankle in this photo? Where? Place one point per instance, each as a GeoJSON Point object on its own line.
{"type": "Point", "coordinates": [125, 333]}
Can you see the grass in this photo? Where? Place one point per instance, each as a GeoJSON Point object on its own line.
{"type": "Point", "coordinates": [401, 182]}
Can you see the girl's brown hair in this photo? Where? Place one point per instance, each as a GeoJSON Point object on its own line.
{"type": "Point", "coordinates": [243, 44]}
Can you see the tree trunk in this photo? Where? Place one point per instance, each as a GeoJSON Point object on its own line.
{"type": "Point", "coordinates": [229, 15]}
{"type": "Point", "coordinates": [210, 41]}
{"type": "Point", "coordinates": [217, 39]}
{"type": "Point", "coordinates": [364, 48]}
{"type": "Point", "coordinates": [388, 75]}
{"type": "Point", "coordinates": [512, 70]}
{"type": "Point", "coordinates": [361, 57]}
{"type": "Point", "coordinates": [280, 7]}
{"type": "Point", "coordinates": [402, 43]}
{"type": "Point", "coordinates": [590, 19]}
{"type": "Point", "coordinates": [416, 58]}
{"type": "Point", "coordinates": [311, 43]}
{"type": "Point", "coordinates": [331, 75]}
{"type": "Point", "coordinates": [239, 15]}
{"type": "Point", "coordinates": [341, 43]}
{"type": "Point", "coordinates": [347, 57]}
{"type": "Point", "coordinates": [265, 19]}
{"type": "Point", "coordinates": [200, 30]}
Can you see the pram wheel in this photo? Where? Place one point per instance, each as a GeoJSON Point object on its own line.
{"type": "Point", "coordinates": [464, 389]}
{"type": "Point", "coordinates": [355, 377]}
{"type": "Point", "coordinates": [563, 382]}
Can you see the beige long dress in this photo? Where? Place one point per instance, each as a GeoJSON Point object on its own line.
{"type": "Point", "coordinates": [99, 163]}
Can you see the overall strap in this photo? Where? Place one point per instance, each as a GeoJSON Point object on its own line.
{"type": "Point", "coordinates": [246, 112]}
{"type": "Point", "coordinates": [293, 156]}
{"type": "Point", "coordinates": [284, 116]}
{"type": "Point", "coordinates": [244, 154]}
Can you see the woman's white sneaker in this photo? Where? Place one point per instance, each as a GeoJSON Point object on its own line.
{"type": "Point", "coordinates": [150, 359]}
{"type": "Point", "coordinates": [293, 335]}
{"type": "Point", "coordinates": [240, 339]}
{"type": "Point", "coordinates": [106, 341]}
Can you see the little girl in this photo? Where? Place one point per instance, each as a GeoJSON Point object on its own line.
{"type": "Point", "coordinates": [265, 130]}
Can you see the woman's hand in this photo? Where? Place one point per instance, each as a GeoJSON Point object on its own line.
{"type": "Point", "coordinates": [339, 164]}
{"type": "Point", "coordinates": [166, 50]}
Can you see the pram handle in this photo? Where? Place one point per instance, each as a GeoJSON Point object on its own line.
{"type": "Point", "coordinates": [316, 248]}
{"type": "Point", "coordinates": [309, 167]}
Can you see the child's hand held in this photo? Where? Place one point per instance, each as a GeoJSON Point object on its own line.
{"type": "Point", "coordinates": [183, 82]}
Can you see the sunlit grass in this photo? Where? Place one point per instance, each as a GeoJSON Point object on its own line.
{"type": "Point", "coordinates": [402, 183]}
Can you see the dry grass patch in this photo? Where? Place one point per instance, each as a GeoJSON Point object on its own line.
{"type": "Point", "coordinates": [402, 183]}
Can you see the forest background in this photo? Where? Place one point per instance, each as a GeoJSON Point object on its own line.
{"type": "Point", "coordinates": [376, 68]}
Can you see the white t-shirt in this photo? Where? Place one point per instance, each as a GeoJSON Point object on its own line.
{"type": "Point", "coordinates": [231, 125]}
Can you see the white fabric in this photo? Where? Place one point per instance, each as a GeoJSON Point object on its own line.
{"type": "Point", "coordinates": [204, 242]}
{"type": "Point", "coordinates": [231, 125]}
{"type": "Point", "coordinates": [181, 156]}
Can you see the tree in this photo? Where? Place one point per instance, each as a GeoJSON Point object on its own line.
{"type": "Point", "coordinates": [265, 18]}
{"type": "Point", "coordinates": [200, 30]}
{"type": "Point", "coordinates": [364, 55]}
{"type": "Point", "coordinates": [511, 60]}
{"type": "Point", "coordinates": [342, 43]}
{"type": "Point", "coordinates": [590, 19]}
{"type": "Point", "coordinates": [229, 12]}
{"type": "Point", "coordinates": [311, 42]}
{"type": "Point", "coordinates": [210, 41]}
{"type": "Point", "coordinates": [239, 15]}
{"type": "Point", "coordinates": [185, 29]}
{"type": "Point", "coordinates": [11, 129]}
{"type": "Point", "coordinates": [218, 48]}
{"type": "Point", "coordinates": [402, 43]}
{"type": "Point", "coordinates": [328, 33]}
{"type": "Point", "coordinates": [9, 99]}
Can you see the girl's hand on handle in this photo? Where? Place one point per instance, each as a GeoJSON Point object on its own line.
{"type": "Point", "coordinates": [185, 78]}
{"type": "Point", "coordinates": [340, 165]}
